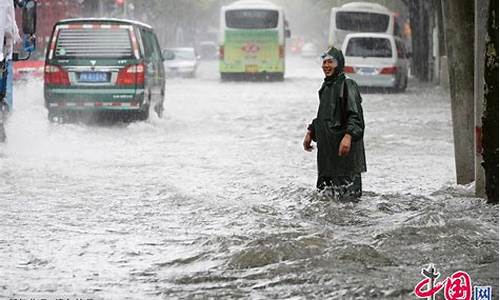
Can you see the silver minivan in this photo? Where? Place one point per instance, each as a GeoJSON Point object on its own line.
{"type": "Point", "coordinates": [376, 60]}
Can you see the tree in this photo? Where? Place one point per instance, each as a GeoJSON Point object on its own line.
{"type": "Point", "coordinates": [490, 115]}
{"type": "Point", "coordinates": [421, 13]}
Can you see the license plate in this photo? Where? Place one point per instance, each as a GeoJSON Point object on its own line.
{"type": "Point", "coordinates": [251, 69]}
{"type": "Point", "coordinates": [366, 70]}
{"type": "Point", "coordinates": [93, 77]}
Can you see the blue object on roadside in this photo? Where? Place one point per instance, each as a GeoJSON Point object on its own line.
{"type": "Point", "coordinates": [28, 44]}
{"type": "Point", "coordinates": [6, 84]}
{"type": "Point", "coordinates": [10, 79]}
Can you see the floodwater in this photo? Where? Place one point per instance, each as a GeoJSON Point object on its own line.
{"type": "Point", "coordinates": [217, 199]}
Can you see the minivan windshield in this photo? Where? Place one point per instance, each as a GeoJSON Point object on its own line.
{"type": "Point", "coordinates": [361, 21]}
{"type": "Point", "coordinates": [369, 47]}
{"type": "Point", "coordinates": [252, 19]}
{"type": "Point", "coordinates": [93, 42]}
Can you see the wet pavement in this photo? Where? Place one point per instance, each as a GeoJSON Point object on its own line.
{"type": "Point", "coordinates": [217, 199]}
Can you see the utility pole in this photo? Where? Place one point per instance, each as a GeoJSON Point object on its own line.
{"type": "Point", "coordinates": [459, 24]}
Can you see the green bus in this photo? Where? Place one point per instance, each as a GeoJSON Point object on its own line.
{"type": "Point", "coordinates": [252, 40]}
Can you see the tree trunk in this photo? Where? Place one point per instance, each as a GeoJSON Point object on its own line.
{"type": "Point", "coordinates": [459, 36]}
{"type": "Point", "coordinates": [490, 116]}
{"type": "Point", "coordinates": [421, 37]}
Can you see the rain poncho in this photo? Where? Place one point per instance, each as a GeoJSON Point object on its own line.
{"type": "Point", "coordinates": [339, 112]}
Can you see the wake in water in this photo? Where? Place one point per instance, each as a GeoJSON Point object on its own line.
{"type": "Point", "coordinates": [217, 199]}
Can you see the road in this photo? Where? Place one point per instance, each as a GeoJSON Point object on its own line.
{"type": "Point", "coordinates": [217, 199]}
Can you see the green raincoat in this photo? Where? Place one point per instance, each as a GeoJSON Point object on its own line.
{"type": "Point", "coordinates": [339, 112]}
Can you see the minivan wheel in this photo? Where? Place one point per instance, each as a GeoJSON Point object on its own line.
{"type": "Point", "coordinates": [405, 84]}
{"type": "Point", "coordinates": [56, 117]}
{"type": "Point", "coordinates": [159, 109]}
{"type": "Point", "coordinates": [51, 116]}
{"type": "Point", "coordinates": [400, 87]}
{"type": "Point", "coordinates": [143, 114]}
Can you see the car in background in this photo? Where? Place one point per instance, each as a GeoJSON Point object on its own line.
{"type": "Point", "coordinates": [181, 61]}
{"type": "Point", "coordinates": [376, 60]}
{"type": "Point", "coordinates": [26, 69]}
{"type": "Point", "coordinates": [102, 65]}
{"type": "Point", "coordinates": [309, 50]}
{"type": "Point", "coordinates": [23, 70]}
{"type": "Point", "coordinates": [295, 44]}
{"type": "Point", "coordinates": [208, 50]}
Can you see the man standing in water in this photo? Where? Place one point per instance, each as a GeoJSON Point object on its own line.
{"type": "Point", "coordinates": [338, 130]}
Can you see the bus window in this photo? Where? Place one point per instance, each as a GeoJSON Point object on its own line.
{"type": "Point", "coordinates": [369, 47]}
{"type": "Point", "coordinates": [362, 21]}
{"type": "Point", "coordinates": [252, 19]}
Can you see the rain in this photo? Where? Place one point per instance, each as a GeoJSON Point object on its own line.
{"type": "Point", "coordinates": [211, 195]}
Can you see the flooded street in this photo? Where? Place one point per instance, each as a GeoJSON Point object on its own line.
{"type": "Point", "coordinates": [217, 199]}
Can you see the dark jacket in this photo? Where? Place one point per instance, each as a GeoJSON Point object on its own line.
{"type": "Point", "coordinates": [339, 112]}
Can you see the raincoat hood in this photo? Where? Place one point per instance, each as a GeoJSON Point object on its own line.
{"type": "Point", "coordinates": [339, 57]}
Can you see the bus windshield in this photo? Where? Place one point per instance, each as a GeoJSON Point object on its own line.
{"type": "Point", "coordinates": [362, 21]}
{"type": "Point", "coordinates": [252, 19]}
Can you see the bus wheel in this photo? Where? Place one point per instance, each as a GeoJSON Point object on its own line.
{"type": "Point", "coordinates": [3, 117]}
{"type": "Point", "coordinates": [3, 136]}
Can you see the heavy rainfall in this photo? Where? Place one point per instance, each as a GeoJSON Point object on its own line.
{"type": "Point", "coordinates": [213, 197]}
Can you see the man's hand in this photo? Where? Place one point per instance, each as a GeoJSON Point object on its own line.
{"type": "Point", "coordinates": [307, 142]}
{"type": "Point", "coordinates": [345, 145]}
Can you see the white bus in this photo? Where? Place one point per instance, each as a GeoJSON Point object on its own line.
{"type": "Point", "coordinates": [252, 40]}
{"type": "Point", "coordinates": [361, 17]}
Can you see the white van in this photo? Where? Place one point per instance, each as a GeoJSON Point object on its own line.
{"type": "Point", "coordinates": [357, 17]}
{"type": "Point", "coordinates": [376, 60]}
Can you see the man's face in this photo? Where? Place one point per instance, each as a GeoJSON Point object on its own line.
{"type": "Point", "coordinates": [329, 66]}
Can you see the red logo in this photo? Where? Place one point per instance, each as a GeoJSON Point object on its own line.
{"type": "Point", "coordinates": [250, 48]}
{"type": "Point", "coordinates": [456, 287]}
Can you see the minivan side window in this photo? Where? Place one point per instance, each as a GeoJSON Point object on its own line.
{"type": "Point", "coordinates": [156, 47]}
{"type": "Point", "coordinates": [151, 48]}
{"type": "Point", "coordinates": [146, 44]}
